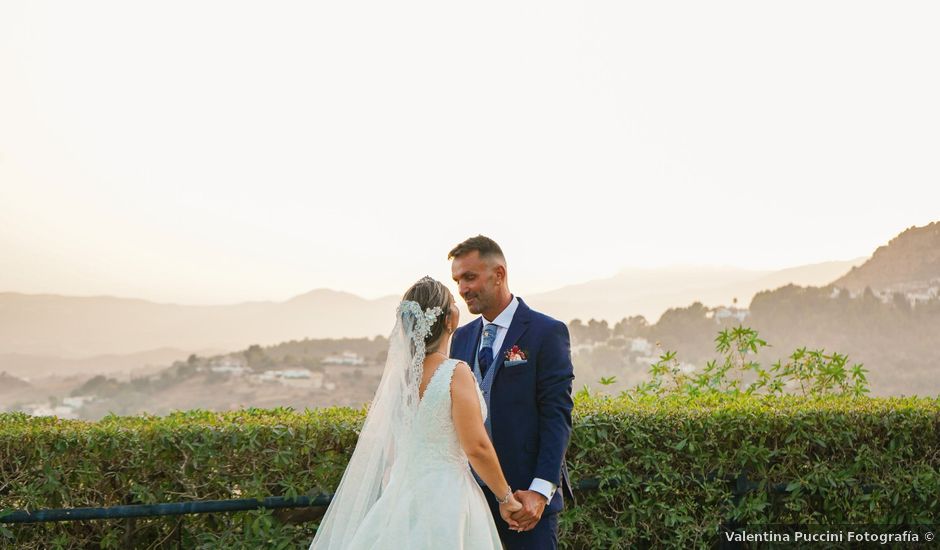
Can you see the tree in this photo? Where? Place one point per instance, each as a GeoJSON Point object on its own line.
{"type": "Point", "coordinates": [577, 330]}
{"type": "Point", "coordinates": [632, 327]}
{"type": "Point", "coordinates": [256, 357]}
{"type": "Point", "coordinates": [598, 331]}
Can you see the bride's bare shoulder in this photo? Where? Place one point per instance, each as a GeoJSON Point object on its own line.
{"type": "Point", "coordinates": [463, 377]}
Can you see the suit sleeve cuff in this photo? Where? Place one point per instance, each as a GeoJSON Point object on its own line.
{"type": "Point", "coordinates": [545, 488]}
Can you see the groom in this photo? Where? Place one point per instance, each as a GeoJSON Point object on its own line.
{"type": "Point", "coordinates": [522, 361]}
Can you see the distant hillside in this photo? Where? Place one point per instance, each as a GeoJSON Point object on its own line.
{"type": "Point", "coordinates": [34, 366]}
{"type": "Point", "coordinates": [82, 327]}
{"type": "Point", "coordinates": [891, 328]}
{"type": "Point", "coordinates": [892, 337]}
{"type": "Point", "coordinates": [43, 333]}
{"type": "Point", "coordinates": [909, 261]}
{"type": "Point", "coordinates": [10, 383]}
{"type": "Point", "coordinates": [650, 292]}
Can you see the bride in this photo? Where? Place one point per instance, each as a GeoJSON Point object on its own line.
{"type": "Point", "coordinates": [408, 483]}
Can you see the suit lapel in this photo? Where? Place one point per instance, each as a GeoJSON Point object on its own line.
{"type": "Point", "coordinates": [518, 326]}
{"type": "Point", "coordinates": [473, 340]}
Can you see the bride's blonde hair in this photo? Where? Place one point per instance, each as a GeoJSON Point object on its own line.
{"type": "Point", "coordinates": [429, 293]}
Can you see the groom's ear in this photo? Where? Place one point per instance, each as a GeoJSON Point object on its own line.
{"type": "Point", "coordinates": [500, 271]}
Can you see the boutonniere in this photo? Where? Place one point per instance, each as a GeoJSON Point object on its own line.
{"type": "Point", "coordinates": [516, 354]}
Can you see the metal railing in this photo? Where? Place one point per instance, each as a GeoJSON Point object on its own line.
{"type": "Point", "coordinates": [740, 485]}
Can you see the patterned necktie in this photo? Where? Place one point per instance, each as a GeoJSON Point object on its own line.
{"type": "Point", "coordinates": [486, 352]}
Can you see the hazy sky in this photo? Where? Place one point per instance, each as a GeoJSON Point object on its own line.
{"type": "Point", "coordinates": [212, 152]}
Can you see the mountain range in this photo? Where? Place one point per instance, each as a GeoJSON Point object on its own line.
{"type": "Point", "coordinates": [44, 332]}
{"type": "Point", "coordinates": [80, 327]}
{"type": "Point", "coordinates": [909, 261]}
{"type": "Point", "coordinates": [650, 292]}
{"type": "Point", "coordinates": [70, 327]}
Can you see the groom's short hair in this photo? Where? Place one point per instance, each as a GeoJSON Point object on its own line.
{"type": "Point", "coordinates": [486, 246]}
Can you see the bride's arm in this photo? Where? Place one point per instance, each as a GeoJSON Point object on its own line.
{"type": "Point", "coordinates": [468, 420]}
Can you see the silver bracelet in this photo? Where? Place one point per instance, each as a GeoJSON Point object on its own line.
{"type": "Point", "coordinates": [505, 499]}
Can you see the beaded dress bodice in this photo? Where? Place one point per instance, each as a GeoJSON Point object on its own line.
{"type": "Point", "coordinates": [434, 441]}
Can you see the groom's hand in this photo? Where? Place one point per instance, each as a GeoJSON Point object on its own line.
{"type": "Point", "coordinates": [533, 504]}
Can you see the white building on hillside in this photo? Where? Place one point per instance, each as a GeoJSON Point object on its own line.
{"type": "Point", "coordinates": [62, 411]}
{"type": "Point", "coordinates": [641, 345]}
{"type": "Point", "coordinates": [733, 312]}
{"type": "Point", "coordinates": [295, 378]}
{"type": "Point", "coordinates": [345, 358]}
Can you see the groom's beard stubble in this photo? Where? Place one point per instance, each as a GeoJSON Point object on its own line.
{"type": "Point", "coordinates": [475, 305]}
{"type": "Point", "coordinates": [472, 301]}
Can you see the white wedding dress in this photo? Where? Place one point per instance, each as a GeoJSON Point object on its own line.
{"type": "Point", "coordinates": [431, 499]}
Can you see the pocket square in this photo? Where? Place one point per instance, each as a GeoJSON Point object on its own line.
{"type": "Point", "coordinates": [515, 363]}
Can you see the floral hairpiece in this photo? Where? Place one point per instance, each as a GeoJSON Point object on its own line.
{"type": "Point", "coordinates": [423, 319]}
{"type": "Point", "coordinates": [416, 324]}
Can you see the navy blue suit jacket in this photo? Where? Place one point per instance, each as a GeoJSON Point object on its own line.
{"type": "Point", "coordinates": [530, 404]}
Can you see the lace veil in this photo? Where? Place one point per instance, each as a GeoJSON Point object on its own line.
{"type": "Point", "coordinates": [386, 431]}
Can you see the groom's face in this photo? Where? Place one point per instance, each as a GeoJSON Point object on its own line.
{"type": "Point", "coordinates": [476, 281]}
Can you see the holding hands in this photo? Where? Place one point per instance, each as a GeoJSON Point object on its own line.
{"type": "Point", "coordinates": [533, 504]}
{"type": "Point", "coordinates": [508, 506]}
{"type": "Point", "coordinates": [522, 510]}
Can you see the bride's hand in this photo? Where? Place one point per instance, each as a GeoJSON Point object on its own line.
{"type": "Point", "coordinates": [506, 510]}
{"type": "Point", "coordinates": [513, 505]}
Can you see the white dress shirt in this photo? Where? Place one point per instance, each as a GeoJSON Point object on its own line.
{"type": "Point", "coordinates": [502, 322]}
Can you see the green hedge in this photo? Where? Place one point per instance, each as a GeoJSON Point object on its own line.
{"type": "Point", "coordinates": [663, 462]}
